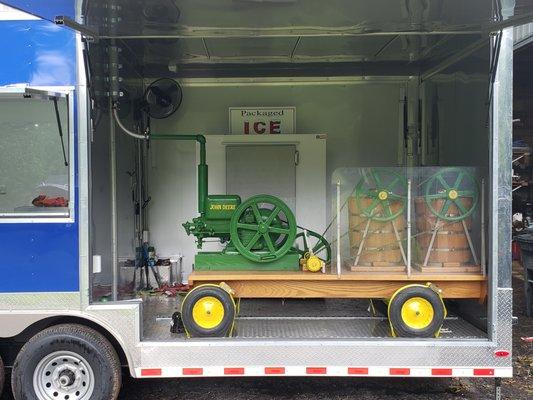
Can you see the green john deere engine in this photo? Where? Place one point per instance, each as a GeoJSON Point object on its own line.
{"type": "Point", "coordinates": [216, 219]}
{"type": "Point", "coordinates": [260, 233]}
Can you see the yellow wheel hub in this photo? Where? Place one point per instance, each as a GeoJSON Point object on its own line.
{"type": "Point", "coordinates": [383, 195]}
{"type": "Point", "coordinates": [314, 264]}
{"type": "Point", "coordinates": [452, 194]}
{"type": "Point", "coordinates": [208, 312]}
{"type": "Point", "coordinates": [417, 313]}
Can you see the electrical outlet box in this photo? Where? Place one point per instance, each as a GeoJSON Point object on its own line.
{"type": "Point", "coordinates": [3, 189]}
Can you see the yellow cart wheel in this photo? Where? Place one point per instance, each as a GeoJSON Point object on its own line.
{"type": "Point", "coordinates": [208, 311]}
{"type": "Point", "coordinates": [416, 311]}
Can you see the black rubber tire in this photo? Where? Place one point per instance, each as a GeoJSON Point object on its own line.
{"type": "Point", "coordinates": [395, 316]}
{"type": "Point", "coordinates": [192, 328]}
{"type": "Point", "coordinates": [2, 376]}
{"type": "Point", "coordinates": [78, 339]}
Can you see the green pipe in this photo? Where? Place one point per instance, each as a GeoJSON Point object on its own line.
{"type": "Point", "coordinates": [202, 166]}
{"type": "Point", "coordinates": [202, 188]}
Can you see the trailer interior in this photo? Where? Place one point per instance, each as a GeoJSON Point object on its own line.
{"type": "Point", "coordinates": [392, 93]}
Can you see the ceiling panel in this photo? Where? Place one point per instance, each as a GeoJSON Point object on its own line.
{"type": "Point", "coordinates": [114, 18]}
{"type": "Point", "coordinates": [295, 50]}
{"type": "Point", "coordinates": [250, 48]}
{"type": "Point", "coordinates": [347, 48]}
{"type": "Point", "coordinates": [216, 18]}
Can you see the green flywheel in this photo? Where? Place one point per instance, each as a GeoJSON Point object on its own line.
{"type": "Point", "coordinates": [381, 194]}
{"type": "Point", "coordinates": [263, 228]}
{"type": "Point", "coordinates": [452, 186]}
{"type": "Point", "coordinates": [315, 243]}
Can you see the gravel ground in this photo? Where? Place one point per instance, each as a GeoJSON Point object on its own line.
{"type": "Point", "coordinates": [520, 387]}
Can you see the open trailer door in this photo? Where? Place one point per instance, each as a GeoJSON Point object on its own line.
{"type": "Point", "coordinates": [46, 10]}
{"type": "Point", "coordinates": [167, 18]}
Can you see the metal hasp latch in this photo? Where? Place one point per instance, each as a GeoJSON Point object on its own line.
{"type": "Point", "coordinates": [88, 33]}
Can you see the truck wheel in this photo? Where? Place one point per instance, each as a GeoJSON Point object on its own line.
{"type": "Point", "coordinates": [66, 362]}
{"type": "Point", "coordinates": [416, 311]}
{"type": "Point", "coordinates": [208, 311]}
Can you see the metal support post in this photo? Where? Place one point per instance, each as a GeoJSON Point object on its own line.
{"type": "Point", "coordinates": [413, 128]}
{"type": "Point", "coordinates": [469, 239]}
{"type": "Point", "coordinates": [338, 229]}
{"type": "Point", "coordinates": [409, 227]}
{"type": "Point", "coordinates": [483, 248]}
{"type": "Point", "coordinates": [140, 196]}
{"type": "Point", "coordinates": [432, 241]}
{"type": "Point", "coordinates": [113, 178]}
{"type": "Point", "coordinates": [361, 244]}
{"type": "Point", "coordinates": [399, 241]}
{"type": "Point", "coordinates": [497, 388]}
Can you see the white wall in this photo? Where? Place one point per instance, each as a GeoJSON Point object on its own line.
{"type": "Point", "coordinates": [359, 118]}
{"type": "Point", "coordinates": [172, 177]}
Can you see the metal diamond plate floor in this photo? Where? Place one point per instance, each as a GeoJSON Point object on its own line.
{"type": "Point", "coordinates": [296, 319]}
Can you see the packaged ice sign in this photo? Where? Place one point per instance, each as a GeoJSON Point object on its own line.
{"type": "Point", "coordinates": [262, 120]}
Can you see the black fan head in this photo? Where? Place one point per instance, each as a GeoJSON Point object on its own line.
{"type": "Point", "coordinates": [161, 12]}
{"type": "Point", "coordinates": [163, 97]}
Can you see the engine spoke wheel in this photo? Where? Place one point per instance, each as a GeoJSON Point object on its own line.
{"type": "Point", "coordinates": [319, 246]}
{"type": "Point", "coordinates": [463, 193]}
{"type": "Point", "coordinates": [387, 192]}
{"type": "Point", "coordinates": [263, 228]}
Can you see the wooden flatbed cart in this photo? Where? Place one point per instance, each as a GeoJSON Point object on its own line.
{"type": "Point", "coordinates": [353, 285]}
{"type": "Point", "coordinates": [376, 258]}
{"type": "Point", "coordinates": [414, 305]}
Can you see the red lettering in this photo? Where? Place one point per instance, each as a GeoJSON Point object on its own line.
{"type": "Point", "coordinates": [275, 127]}
{"type": "Point", "coordinates": [246, 128]}
{"type": "Point", "coordinates": [258, 130]}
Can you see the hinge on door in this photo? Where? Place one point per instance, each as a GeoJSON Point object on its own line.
{"type": "Point", "coordinates": [88, 33]}
{"type": "Point", "coordinates": [296, 157]}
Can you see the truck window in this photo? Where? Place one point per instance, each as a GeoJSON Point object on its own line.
{"type": "Point", "coordinates": [34, 157]}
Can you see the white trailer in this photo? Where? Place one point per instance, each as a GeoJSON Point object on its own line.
{"type": "Point", "coordinates": [414, 89]}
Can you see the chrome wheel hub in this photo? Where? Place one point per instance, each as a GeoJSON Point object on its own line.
{"type": "Point", "coordinates": [63, 375]}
